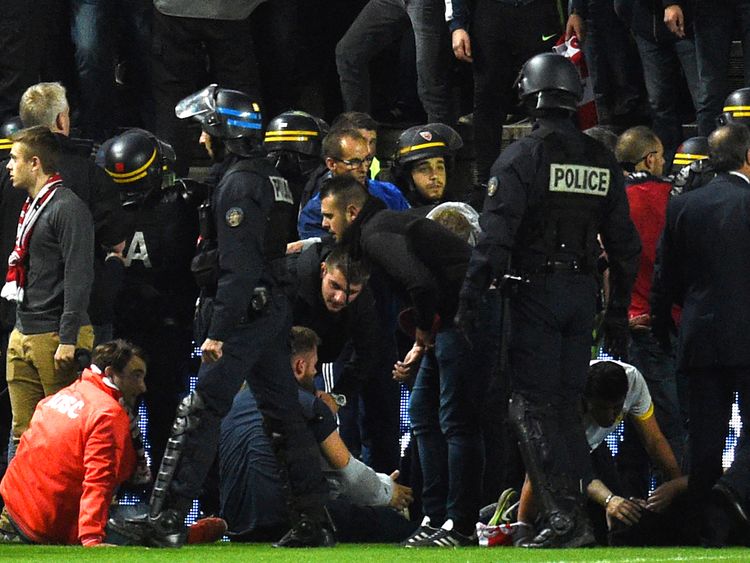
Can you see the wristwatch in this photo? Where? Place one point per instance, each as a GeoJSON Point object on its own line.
{"type": "Point", "coordinates": [339, 399]}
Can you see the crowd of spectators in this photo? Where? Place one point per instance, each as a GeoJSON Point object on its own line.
{"type": "Point", "coordinates": [110, 244]}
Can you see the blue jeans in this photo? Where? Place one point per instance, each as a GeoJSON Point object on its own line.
{"type": "Point", "coordinates": [445, 418]}
{"type": "Point", "coordinates": [661, 70]}
{"type": "Point", "coordinates": [94, 28]}
{"type": "Point", "coordinates": [381, 22]}
{"type": "Point", "coordinates": [715, 22]}
{"type": "Point", "coordinates": [659, 370]}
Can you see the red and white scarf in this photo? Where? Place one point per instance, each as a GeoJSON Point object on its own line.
{"type": "Point", "coordinates": [15, 279]}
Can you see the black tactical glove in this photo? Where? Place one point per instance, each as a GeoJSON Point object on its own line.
{"type": "Point", "coordinates": [616, 332]}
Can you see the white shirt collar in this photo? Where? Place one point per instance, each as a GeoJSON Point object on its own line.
{"type": "Point", "coordinates": [740, 175]}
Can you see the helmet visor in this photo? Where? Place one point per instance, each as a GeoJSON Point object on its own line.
{"type": "Point", "coordinates": [197, 105]}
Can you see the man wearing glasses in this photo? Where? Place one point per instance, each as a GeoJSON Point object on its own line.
{"type": "Point", "coordinates": [346, 153]}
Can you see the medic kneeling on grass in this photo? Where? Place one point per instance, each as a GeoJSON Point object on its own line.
{"type": "Point", "coordinates": [82, 443]}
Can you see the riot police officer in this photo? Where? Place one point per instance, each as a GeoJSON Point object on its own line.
{"type": "Point", "coordinates": [423, 157]}
{"type": "Point", "coordinates": [154, 308]}
{"type": "Point", "coordinates": [691, 167]}
{"type": "Point", "coordinates": [7, 129]}
{"type": "Point", "coordinates": [549, 196]}
{"type": "Point", "coordinates": [294, 141]}
{"type": "Point", "coordinates": [736, 108]}
{"type": "Point", "coordinates": [244, 323]}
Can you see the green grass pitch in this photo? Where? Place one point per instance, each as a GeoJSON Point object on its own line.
{"type": "Point", "coordinates": [358, 553]}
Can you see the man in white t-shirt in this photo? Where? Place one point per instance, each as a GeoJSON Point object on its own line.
{"type": "Point", "coordinates": [613, 390]}
{"type": "Point", "coordinates": [605, 406]}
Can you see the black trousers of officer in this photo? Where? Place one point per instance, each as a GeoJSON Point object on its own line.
{"type": "Point", "coordinates": [168, 350]}
{"type": "Point", "coordinates": [550, 348]}
{"type": "Point", "coordinates": [257, 352]}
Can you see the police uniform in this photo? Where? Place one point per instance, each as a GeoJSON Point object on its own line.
{"type": "Point", "coordinates": [549, 196]}
{"type": "Point", "coordinates": [243, 320]}
{"type": "Point", "coordinates": [155, 306]}
{"type": "Point", "coordinates": [249, 313]}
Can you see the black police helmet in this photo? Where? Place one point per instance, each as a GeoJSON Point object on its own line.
{"type": "Point", "coordinates": [7, 130]}
{"type": "Point", "coordinates": [736, 108]}
{"type": "Point", "coordinates": [426, 141]}
{"type": "Point", "coordinates": [691, 150]}
{"type": "Point", "coordinates": [296, 131]}
{"type": "Point", "coordinates": [137, 162]}
{"type": "Point", "coordinates": [230, 115]}
{"type": "Point", "coordinates": [550, 81]}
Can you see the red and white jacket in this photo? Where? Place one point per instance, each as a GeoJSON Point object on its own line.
{"type": "Point", "coordinates": [76, 451]}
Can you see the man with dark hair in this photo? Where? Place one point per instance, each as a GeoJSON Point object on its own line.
{"type": "Point", "coordinates": [346, 154]}
{"type": "Point", "coordinates": [78, 449]}
{"type": "Point", "coordinates": [613, 390]}
{"type": "Point", "coordinates": [341, 201]}
{"type": "Point", "coordinates": [453, 367]}
{"type": "Point", "coordinates": [641, 152]}
{"type": "Point", "coordinates": [333, 298]}
{"type": "Point", "coordinates": [706, 235]}
{"type": "Point", "coordinates": [49, 277]}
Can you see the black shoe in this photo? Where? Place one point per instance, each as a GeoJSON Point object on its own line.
{"type": "Point", "coordinates": [445, 536]}
{"type": "Point", "coordinates": [165, 530]}
{"type": "Point", "coordinates": [724, 513]}
{"type": "Point", "coordinates": [307, 533]}
{"type": "Point", "coordinates": [424, 531]}
{"type": "Point", "coordinates": [733, 502]}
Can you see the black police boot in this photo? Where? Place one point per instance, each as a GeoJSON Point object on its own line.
{"type": "Point", "coordinates": [307, 533]}
{"type": "Point", "coordinates": [724, 514]}
{"type": "Point", "coordinates": [563, 530]}
{"type": "Point", "coordinates": [167, 529]}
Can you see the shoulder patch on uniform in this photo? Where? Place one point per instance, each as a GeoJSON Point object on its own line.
{"type": "Point", "coordinates": [281, 191]}
{"type": "Point", "coordinates": [492, 186]}
{"type": "Point", "coordinates": [234, 216]}
{"type": "Point", "coordinates": [579, 179]}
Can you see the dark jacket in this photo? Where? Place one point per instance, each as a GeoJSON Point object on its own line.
{"type": "Point", "coordinates": [241, 205]}
{"type": "Point", "coordinates": [525, 214]}
{"type": "Point", "coordinates": [358, 322]}
{"type": "Point", "coordinates": [704, 268]}
{"type": "Point", "coordinates": [96, 189]}
{"type": "Point", "coordinates": [417, 256]}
